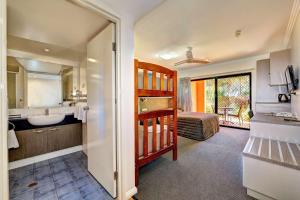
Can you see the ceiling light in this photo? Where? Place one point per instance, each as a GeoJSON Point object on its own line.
{"type": "Point", "coordinates": [47, 50]}
{"type": "Point", "coordinates": [168, 56]}
{"type": "Point", "coordinates": [92, 60]}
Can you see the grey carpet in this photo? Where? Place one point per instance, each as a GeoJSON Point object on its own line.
{"type": "Point", "coordinates": [207, 170]}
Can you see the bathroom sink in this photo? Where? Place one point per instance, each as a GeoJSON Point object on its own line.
{"type": "Point", "coordinates": [41, 120]}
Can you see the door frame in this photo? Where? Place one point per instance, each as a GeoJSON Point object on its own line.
{"type": "Point", "coordinates": [105, 11]}
{"type": "Point", "coordinates": [4, 189]}
{"type": "Point", "coordinates": [216, 90]}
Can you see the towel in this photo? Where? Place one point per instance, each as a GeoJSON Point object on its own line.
{"type": "Point", "coordinates": [12, 141]}
{"type": "Point", "coordinates": [80, 113]}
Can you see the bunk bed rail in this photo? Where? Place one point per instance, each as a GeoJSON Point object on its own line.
{"type": "Point", "coordinates": [155, 81]}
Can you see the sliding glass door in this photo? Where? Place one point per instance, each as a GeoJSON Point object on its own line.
{"type": "Point", "coordinates": [228, 96]}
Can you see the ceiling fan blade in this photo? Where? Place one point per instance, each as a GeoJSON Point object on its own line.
{"type": "Point", "coordinates": [196, 61]}
{"type": "Point", "coordinates": [191, 59]}
{"type": "Point", "coordinates": [181, 62]}
{"type": "Point", "coordinates": [201, 61]}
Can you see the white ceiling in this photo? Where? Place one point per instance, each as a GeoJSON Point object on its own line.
{"type": "Point", "coordinates": [59, 23]}
{"type": "Point", "coordinates": [37, 48]}
{"type": "Point", "coordinates": [134, 8]}
{"type": "Point", "coordinates": [39, 66]}
{"type": "Point", "coordinates": [209, 27]}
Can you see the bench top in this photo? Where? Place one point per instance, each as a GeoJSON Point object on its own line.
{"type": "Point", "coordinates": [278, 152]}
{"type": "Point", "coordinates": [265, 118]}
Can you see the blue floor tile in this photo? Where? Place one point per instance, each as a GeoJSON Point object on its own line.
{"type": "Point", "coordinates": [25, 195]}
{"type": "Point", "coordinates": [44, 190]}
{"type": "Point", "coordinates": [41, 164]}
{"type": "Point", "coordinates": [69, 191]}
{"type": "Point", "coordinates": [96, 196]}
{"type": "Point", "coordinates": [50, 195]}
{"type": "Point", "coordinates": [58, 167]}
{"type": "Point", "coordinates": [20, 186]}
{"type": "Point", "coordinates": [42, 172]}
{"type": "Point", "coordinates": [62, 178]}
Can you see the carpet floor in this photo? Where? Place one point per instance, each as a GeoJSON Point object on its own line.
{"type": "Point", "coordinates": [207, 170]}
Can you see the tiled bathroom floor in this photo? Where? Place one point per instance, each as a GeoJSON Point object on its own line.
{"type": "Point", "coordinates": [62, 178]}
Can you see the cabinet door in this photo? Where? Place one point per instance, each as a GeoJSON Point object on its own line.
{"type": "Point", "coordinates": [55, 135]}
{"type": "Point", "coordinates": [74, 134]}
{"type": "Point", "coordinates": [279, 61]}
{"type": "Point", "coordinates": [32, 143]}
{"type": "Point", "coordinates": [62, 137]}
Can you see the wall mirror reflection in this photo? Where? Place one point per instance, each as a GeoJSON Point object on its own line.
{"type": "Point", "coordinates": [33, 83]}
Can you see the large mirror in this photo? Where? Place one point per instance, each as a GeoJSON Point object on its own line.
{"type": "Point", "coordinates": [33, 83]}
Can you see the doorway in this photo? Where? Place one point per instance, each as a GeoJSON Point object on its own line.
{"type": "Point", "coordinates": [228, 96]}
{"type": "Point", "coordinates": [62, 54]}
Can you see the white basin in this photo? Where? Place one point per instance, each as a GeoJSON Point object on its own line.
{"type": "Point", "coordinates": [41, 120]}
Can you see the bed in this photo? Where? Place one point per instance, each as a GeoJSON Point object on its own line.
{"type": "Point", "coordinates": [151, 139]}
{"type": "Point", "coordinates": [155, 130]}
{"type": "Point", "coordinates": [197, 125]}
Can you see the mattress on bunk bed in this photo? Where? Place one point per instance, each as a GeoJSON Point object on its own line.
{"type": "Point", "coordinates": [150, 136]}
{"type": "Point", "coordinates": [197, 125]}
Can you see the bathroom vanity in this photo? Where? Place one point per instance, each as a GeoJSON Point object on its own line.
{"type": "Point", "coordinates": [44, 95]}
{"type": "Point", "coordinates": [38, 140]}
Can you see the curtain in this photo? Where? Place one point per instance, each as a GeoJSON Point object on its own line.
{"type": "Point", "coordinates": [185, 96]}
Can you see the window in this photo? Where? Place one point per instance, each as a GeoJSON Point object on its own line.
{"type": "Point", "coordinates": [228, 96]}
{"type": "Point", "coordinates": [44, 90]}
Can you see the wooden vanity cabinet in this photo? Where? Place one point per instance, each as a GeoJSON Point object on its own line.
{"type": "Point", "coordinates": [35, 142]}
{"type": "Point", "coordinates": [62, 137]}
{"type": "Point", "coordinates": [32, 143]}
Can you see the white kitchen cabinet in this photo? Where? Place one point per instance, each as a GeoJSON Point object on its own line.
{"type": "Point", "coordinates": [279, 61]}
{"type": "Point", "coordinates": [264, 92]}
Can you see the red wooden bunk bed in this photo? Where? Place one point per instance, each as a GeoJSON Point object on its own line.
{"type": "Point", "coordinates": [162, 136]}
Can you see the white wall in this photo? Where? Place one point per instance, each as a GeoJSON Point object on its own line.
{"type": "Point", "coordinates": [234, 66]}
{"type": "Point", "coordinates": [82, 76]}
{"type": "Point", "coordinates": [76, 78]}
{"type": "Point", "coordinates": [295, 57]}
{"type": "Point", "coordinates": [20, 88]}
{"type": "Point", "coordinates": [230, 67]}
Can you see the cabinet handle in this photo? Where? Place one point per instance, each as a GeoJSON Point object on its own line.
{"type": "Point", "coordinates": [38, 131]}
{"type": "Point", "coordinates": [53, 129]}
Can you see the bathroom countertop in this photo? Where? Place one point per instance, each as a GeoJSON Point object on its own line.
{"type": "Point", "coordinates": [23, 124]}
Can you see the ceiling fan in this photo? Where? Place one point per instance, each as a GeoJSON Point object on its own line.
{"type": "Point", "coordinates": [191, 60]}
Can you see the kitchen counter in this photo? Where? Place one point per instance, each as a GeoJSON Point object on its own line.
{"type": "Point", "coordinates": [263, 118]}
{"type": "Point", "coordinates": [23, 124]}
{"type": "Point", "coordinates": [274, 102]}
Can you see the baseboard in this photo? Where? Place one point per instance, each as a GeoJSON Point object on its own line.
{"type": "Point", "coordinates": [131, 192]}
{"type": "Point", "coordinates": [35, 159]}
